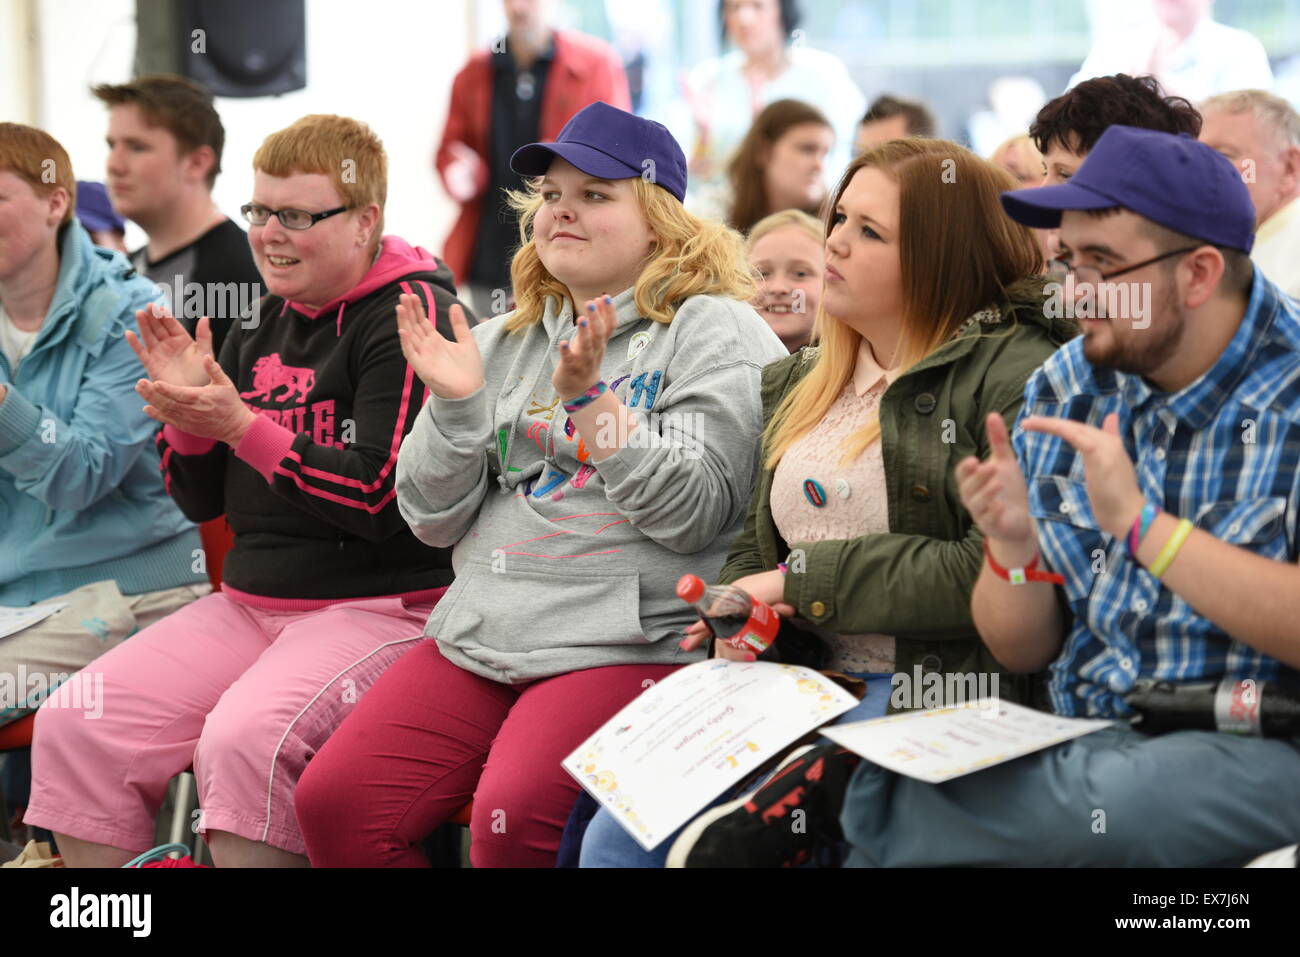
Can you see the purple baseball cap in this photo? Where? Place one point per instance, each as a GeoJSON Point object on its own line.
{"type": "Point", "coordinates": [94, 210]}
{"type": "Point", "coordinates": [602, 140]}
{"type": "Point", "coordinates": [1174, 181]}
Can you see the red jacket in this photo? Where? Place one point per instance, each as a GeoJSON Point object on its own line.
{"type": "Point", "coordinates": [584, 70]}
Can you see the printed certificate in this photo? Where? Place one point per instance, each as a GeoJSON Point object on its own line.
{"type": "Point", "coordinates": [668, 754]}
{"type": "Point", "coordinates": [946, 743]}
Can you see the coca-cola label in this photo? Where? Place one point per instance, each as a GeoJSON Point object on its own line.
{"type": "Point", "coordinates": [759, 631]}
{"type": "Point", "coordinates": [1236, 706]}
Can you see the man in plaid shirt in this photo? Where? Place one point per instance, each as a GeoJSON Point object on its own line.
{"type": "Point", "coordinates": [1154, 476]}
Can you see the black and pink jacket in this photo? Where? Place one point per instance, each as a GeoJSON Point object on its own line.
{"type": "Point", "coordinates": [309, 491]}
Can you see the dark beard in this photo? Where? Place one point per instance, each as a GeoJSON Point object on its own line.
{"type": "Point", "coordinates": [1157, 344]}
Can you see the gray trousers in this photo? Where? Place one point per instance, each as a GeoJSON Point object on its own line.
{"type": "Point", "coordinates": [1113, 798]}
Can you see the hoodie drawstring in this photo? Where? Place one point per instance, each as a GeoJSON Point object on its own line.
{"type": "Point", "coordinates": [338, 322]}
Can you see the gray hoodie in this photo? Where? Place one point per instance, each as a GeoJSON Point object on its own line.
{"type": "Point", "coordinates": [562, 564]}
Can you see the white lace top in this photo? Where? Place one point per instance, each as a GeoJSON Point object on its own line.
{"type": "Point", "coordinates": [855, 505]}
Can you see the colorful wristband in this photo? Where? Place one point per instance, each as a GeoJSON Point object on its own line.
{"type": "Point", "coordinates": [1019, 576]}
{"type": "Point", "coordinates": [1170, 551]}
{"type": "Point", "coordinates": [1141, 525]}
{"type": "Point", "coordinates": [783, 568]}
{"type": "Point", "coordinates": [591, 395]}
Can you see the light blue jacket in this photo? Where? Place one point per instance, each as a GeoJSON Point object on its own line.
{"type": "Point", "coordinates": [81, 497]}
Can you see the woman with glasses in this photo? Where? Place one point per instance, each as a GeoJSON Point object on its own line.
{"type": "Point", "coordinates": [293, 435]}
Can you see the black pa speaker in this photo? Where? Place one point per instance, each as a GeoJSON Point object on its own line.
{"type": "Point", "coordinates": [231, 47]}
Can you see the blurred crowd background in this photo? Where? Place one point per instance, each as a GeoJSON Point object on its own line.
{"type": "Point", "coordinates": [983, 68]}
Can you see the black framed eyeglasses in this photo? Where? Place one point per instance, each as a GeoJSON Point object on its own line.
{"type": "Point", "coordinates": [1058, 269]}
{"type": "Point", "coordinates": [258, 215]}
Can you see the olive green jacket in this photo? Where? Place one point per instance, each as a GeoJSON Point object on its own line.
{"type": "Point", "coordinates": [915, 581]}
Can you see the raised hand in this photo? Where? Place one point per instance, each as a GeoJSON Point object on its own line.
{"type": "Point", "coordinates": [448, 369]}
{"type": "Point", "coordinates": [994, 492]}
{"type": "Point", "coordinates": [213, 410]}
{"type": "Point", "coordinates": [166, 350]}
{"type": "Point", "coordinates": [1112, 482]}
{"type": "Point", "coordinates": [463, 173]}
{"type": "Point", "coordinates": [580, 357]}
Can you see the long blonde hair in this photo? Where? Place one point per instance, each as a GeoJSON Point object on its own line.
{"type": "Point", "coordinates": [958, 252]}
{"type": "Point", "coordinates": [692, 257]}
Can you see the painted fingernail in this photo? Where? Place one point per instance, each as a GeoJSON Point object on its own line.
{"type": "Point", "coordinates": [591, 307]}
{"type": "Point", "coordinates": [608, 300]}
{"type": "Point", "coordinates": [584, 322]}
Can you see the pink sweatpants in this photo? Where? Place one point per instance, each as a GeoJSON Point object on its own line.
{"type": "Point", "coordinates": [246, 694]}
{"type": "Point", "coordinates": [430, 736]}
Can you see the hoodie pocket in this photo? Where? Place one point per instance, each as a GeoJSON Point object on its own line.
{"type": "Point", "coordinates": [512, 606]}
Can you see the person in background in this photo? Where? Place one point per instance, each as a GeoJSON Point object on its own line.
{"type": "Point", "coordinates": [84, 520]}
{"type": "Point", "coordinates": [525, 88]}
{"type": "Point", "coordinates": [165, 141]}
{"type": "Point", "coordinates": [779, 165]}
{"type": "Point", "coordinates": [932, 319]}
{"type": "Point", "coordinates": [558, 454]}
{"type": "Point", "coordinates": [294, 435]}
{"type": "Point", "coordinates": [1191, 54]}
{"type": "Point", "coordinates": [890, 118]}
{"type": "Point", "coordinates": [1013, 102]}
{"type": "Point", "coordinates": [1260, 133]}
{"type": "Point", "coordinates": [1070, 125]}
{"type": "Point", "coordinates": [725, 94]}
{"type": "Point", "coordinates": [95, 212]}
{"type": "Point", "coordinates": [786, 251]}
{"type": "Point", "coordinates": [1020, 157]}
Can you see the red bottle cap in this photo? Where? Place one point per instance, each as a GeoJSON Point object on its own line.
{"type": "Point", "coordinates": [690, 589]}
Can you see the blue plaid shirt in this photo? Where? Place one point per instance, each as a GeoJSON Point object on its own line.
{"type": "Point", "coordinates": [1223, 452]}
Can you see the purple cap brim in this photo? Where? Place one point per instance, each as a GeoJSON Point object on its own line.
{"type": "Point", "coordinates": [535, 159]}
{"type": "Point", "coordinates": [1041, 207]}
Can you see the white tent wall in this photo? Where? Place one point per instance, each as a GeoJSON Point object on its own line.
{"type": "Point", "coordinates": [389, 63]}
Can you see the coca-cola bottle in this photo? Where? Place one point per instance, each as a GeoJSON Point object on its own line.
{"type": "Point", "coordinates": [731, 613]}
{"type": "Point", "coordinates": [744, 622]}
{"type": "Point", "coordinates": [1269, 709]}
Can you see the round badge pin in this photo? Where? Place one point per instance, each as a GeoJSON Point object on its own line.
{"type": "Point", "coordinates": [814, 492]}
{"type": "Point", "coordinates": [639, 341]}
{"type": "Point", "coordinates": [842, 488]}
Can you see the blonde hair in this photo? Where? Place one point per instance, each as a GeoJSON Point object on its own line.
{"type": "Point", "coordinates": [692, 257]}
{"type": "Point", "coordinates": [1275, 114]}
{"type": "Point", "coordinates": [787, 217]}
{"type": "Point", "coordinates": [36, 158]}
{"type": "Point", "coordinates": [958, 253]}
{"type": "Point", "coordinates": [344, 149]}
{"type": "Point", "coordinates": [1022, 146]}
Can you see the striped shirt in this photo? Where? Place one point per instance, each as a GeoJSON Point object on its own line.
{"type": "Point", "coordinates": [1223, 452]}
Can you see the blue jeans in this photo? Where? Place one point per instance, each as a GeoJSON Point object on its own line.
{"type": "Point", "coordinates": [1113, 798]}
{"type": "Point", "coordinates": [606, 844]}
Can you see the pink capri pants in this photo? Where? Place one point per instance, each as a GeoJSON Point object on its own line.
{"type": "Point", "coordinates": [246, 689]}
